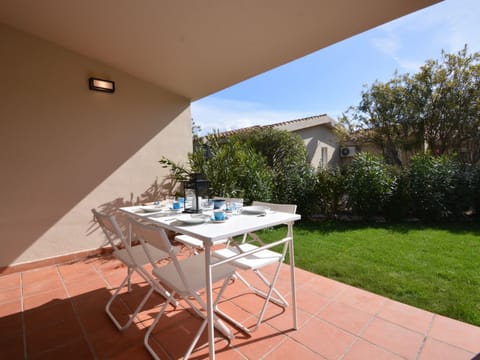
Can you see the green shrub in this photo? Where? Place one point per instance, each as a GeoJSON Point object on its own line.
{"type": "Point", "coordinates": [369, 184]}
{"type": "Point", "coordinates": [473, 176]}
{"type": "Point", "coordinates": [476, 190]}
{"type": "Point", "coordinates": [286, 157]}
{"type": "Point", "coordinates": [439, 187]}
{"type": "Point", "coordinates": [234, 170]}
{"type": "Point", "coordinates": [302, 190]}
{"type": "Point", "coordinates": [399, 205]}
{"type": "Point", "coordinates": [330, 191]}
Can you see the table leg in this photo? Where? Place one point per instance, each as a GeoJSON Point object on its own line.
{"type": "Point", "coordinates": [292, 277]}
{"type": "Point", "coordinates": [129, 241]}
{"type": "Point", "coordinates": [208, 289]}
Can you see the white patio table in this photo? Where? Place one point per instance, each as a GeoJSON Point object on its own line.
{"type": "Point", "coordinates": [212, 233]}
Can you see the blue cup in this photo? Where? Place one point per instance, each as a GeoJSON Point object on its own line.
{"type": "Point", "coordinates": [218, 204]}
{"type": "Point", "coordinates": [219, 215]}
{"type": "Point", "coordinates": [176, 205]}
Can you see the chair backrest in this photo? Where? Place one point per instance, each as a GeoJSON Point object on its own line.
{"type": "Point", "coordinates": [228, 198]}
{"type": "Point", "coordinates": [111, 229]}
{"type": "Point", "coordinates": [157, 237]}
{"type": "Point", "coordinates": [286, 208]}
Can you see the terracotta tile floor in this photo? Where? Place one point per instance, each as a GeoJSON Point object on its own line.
{"type": "Point", "coordinates": [57, 312]}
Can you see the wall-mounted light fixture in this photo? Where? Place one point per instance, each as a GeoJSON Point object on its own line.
{"type": "Point", "coordinates": [101, 85]}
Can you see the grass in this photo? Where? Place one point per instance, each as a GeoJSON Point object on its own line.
{"type": "Point", "coordinates": [433, 268]}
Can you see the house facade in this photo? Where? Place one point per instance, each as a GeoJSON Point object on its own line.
{"type": "Point", "coordinates": [319, 137]}
{"type": "Point", "coordinates": [317, 132]}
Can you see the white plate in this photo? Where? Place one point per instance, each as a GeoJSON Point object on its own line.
{"type": "Point", "coordinates": [152, 208]}
{"type": "Point", "coordinates": [255, 210]}
{"type": "Point", "coordinates": [188, 219]}
{"type": "Point", "coordinates": [212, 219]}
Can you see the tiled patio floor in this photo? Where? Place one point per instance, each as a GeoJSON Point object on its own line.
{"type": "Point", "coordinates": [58, 312]}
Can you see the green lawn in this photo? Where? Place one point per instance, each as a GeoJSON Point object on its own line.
{"type": "Point", "coordinates": [436, 268]}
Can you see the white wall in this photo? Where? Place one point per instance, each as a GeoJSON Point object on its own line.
{"type": "Point", "coordinates": [315, 138]}
{"type": "Point", "coordinates": [65, 149]}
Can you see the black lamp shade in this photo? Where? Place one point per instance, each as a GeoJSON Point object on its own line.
{"type": "Point", "coordinates": [197, 188]}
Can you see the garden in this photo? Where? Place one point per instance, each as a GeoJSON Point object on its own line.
{"type": "Point", "coordinates": [411, 234]}
{"type": "Point", "coordinates": [409, 231]}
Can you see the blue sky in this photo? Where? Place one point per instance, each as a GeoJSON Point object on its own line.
{"type": "Point", "coordinates": [330, 80]}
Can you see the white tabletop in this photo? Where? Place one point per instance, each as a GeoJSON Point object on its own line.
{"type": "Point", "coordinates": [212, 232]}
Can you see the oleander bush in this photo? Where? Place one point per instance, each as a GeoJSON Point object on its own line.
{"type": "Point", "coordinates": [370, 184]}
{"type": "Point", "coordinates": [330, 191]}
{"type": "Point", "coordinates": [399, 205]}
{"type": "Point", "coordinates": [234, 170]}
{"type": "Point", "coordinates": [475, 186]}
{"type": "Point", "coordinates": [439, 187]}
{"type": "Point", "coordinates": [286, 158]}
{"type": "Point", "coordinates": [271, 165]}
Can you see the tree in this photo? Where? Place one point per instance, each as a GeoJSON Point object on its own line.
{"type": "Point", "coordinates": [383, 118]}
{"type": "Point", "coordinates": [196, 129]}
{"type": "Point", "coordinates": [439, 106]}
{"type": "Point", "coordinates": [449, 91]}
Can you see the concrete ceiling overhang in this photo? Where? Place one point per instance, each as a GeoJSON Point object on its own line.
{"type": "Point", "coordinates": [194, 47]}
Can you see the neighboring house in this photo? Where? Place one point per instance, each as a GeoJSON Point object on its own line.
{"type": "Point", "coordinates": [319, 136]}
{"type": "Point", "coordinates": [317, 133]}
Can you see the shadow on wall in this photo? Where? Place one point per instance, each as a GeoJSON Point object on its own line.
{"type": "Point", "coordinates": [156, 191]}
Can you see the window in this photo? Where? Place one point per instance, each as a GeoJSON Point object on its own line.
{"type": "Point", "coordinates": [324, 157]}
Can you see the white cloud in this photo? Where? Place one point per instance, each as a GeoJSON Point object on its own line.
{"type": "Point", "coordinates": [214, 113]}
{"type": "Point", "coordinates": [448, 25]}
{"type": "Point", "coordinates": [388, 44]}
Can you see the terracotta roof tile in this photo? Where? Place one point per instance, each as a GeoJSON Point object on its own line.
{"type": "Point", "coordinates": [324, 118]}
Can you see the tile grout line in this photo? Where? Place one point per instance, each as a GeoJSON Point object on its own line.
{"type": "Point", "coordinates": [425, 337]}
{"type": "Point", "coordinates": [362, 331]}
{"type": "Point", "coordinates": [109, 286]}
{"type": "Point", "coordinates": [77, 317]}
{"type": "Point", "coordinates": [376, 316]}
{"type": "Point", "coordinates": [278, 344]}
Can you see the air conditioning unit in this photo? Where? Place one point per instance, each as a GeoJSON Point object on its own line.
{"type": "Point", "coordinates": [347, 151]}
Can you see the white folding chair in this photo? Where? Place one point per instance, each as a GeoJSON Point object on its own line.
{"type": "Point", "coordinates": [257, 258]}
{"type": "Point", "coordinates": [194, 245]}
{"type": "Point", "coordinates": [134, 258]}
{"type": "Point", "coordinates": [184, 277]}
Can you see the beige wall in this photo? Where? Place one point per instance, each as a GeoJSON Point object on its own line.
{"type": "Point", "coordinates": [65, 149]}
{"type": "Point", "coordinates": [315, 138]}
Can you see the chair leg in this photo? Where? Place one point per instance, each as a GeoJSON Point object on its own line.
{"type": "Point", "coordinates": [280, 302]}
{"type": "Point", "coordinates": [195, 339]}
{"type": "Point", "coordinates": [269, 294]}
{"type": "Point", "coordinates": [114, 296]}
{"type": "Point", "coordinates": [219, 325]}
{"type": "Point", "coordinates": [266, 295]}
{"type": "Point", "coordinates": [151, 327]}
{"type": "Point", "coordinates": [158, 288]}
{"type": "Point", "coordinates": [224, 315]}
{"type": "Point", "coordinates": [140, 306]}
{"type": "Point", "coordinates": [129, 284]}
